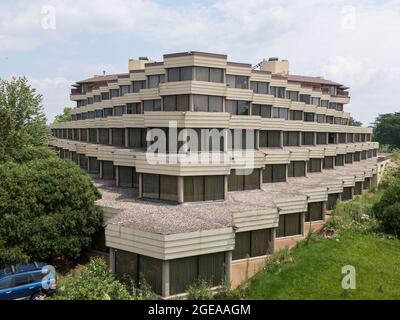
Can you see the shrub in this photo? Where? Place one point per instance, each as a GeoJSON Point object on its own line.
{"type": "Point", "coordinates": [93, 282]}
{"type": "Point", "coordinates": [200, 290]}
{"type": "Point", "coordinates": [278, 259]}
{"type": "Point", "coordinates": [47, 208]}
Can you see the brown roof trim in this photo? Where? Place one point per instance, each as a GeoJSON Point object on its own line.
{"type": "Point", "coordinates": [195, 53]}
{"type": "Point", "coordinates": [312, 80]}
{"type": "Point", "coordinates": [153, 64]}
{"type": "Point", "coordinates": [260, 72]}
{"type": "Point", "coordinates": [239, 64]}
{"type": "Point", "coordinates": [277, 76]}
{"type": "Point", "coordinates": [123, 76]}
{"type": "Point", "coordinates": [137, 71]}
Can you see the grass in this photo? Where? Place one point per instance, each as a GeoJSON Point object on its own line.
{"type": "Point", "coordinates": [316, 270]}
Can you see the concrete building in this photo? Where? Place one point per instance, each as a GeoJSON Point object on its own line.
{"type": "Point", "coordinates": [254, 158]}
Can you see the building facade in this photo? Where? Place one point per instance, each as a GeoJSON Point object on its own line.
{"type": "Point", "coordinates": [207, 166]}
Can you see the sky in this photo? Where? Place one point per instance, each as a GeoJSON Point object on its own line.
{"type": "Point", "coordinates": [55, 43]}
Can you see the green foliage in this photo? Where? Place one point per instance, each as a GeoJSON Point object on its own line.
{"type": "Point", "coordinates": [22, 120]}
{"type": "Point", "coordinates": [387, 210]}
{"type": "Point", "coordinates": [30, 153]}
{"type": "Point", "coordinates": [200, 290]}
{"type": "Point", "coordinates": [46, 207]}
{"type": "Point", "coordinates": [93, 282]}
{"type": "Point", "coordinates": [387, 129]}
{"type": "Point", "coordinates": [65, 116]}
{"type": "Point", "coordinates": [10, 256]}
{"type": "Point", "coordinates": [354, 122]}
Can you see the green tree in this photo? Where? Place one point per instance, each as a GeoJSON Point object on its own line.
{"type": "Point", "coordinates": [65, 116]}
{"type": "Point", "coordinates": [7, 138]}
{"type": "Point", "coordinates": [47, 208]}
{"type": "Point", "coordinates": [354, 122]}
{"type": "Point", "coordinates": [387, 129]}
{"type": "Point", "coordinates": [22, 110]}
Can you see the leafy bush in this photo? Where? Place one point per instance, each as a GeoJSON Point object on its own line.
{"type": "Point", "coordinates": [200, 290]}
{"type": "Point", "coordinates": [47, 208]}
{"type": "Point", "coordinates": [93, 282]}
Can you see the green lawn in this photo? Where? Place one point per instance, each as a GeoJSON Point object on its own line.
{"type": "Point", "coordinates": [316, 270]}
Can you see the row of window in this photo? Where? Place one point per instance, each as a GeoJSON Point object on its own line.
{"type": "Point", "coordinates": [205, 103]}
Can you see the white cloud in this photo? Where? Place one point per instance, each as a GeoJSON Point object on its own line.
{"type": "Point", "coordinates": [353, 42]}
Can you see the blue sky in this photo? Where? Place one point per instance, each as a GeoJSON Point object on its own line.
{"type": "Point", "coordinates": [353, 42]}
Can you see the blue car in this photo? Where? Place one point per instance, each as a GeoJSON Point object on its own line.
{"type": "Point", "coordinates": [27, 281]}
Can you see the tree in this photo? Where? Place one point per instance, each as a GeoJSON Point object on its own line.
{"type": "Point", "coordinates": [387, 129]}
{"type": "Point", "coordinates": [65, 116]}
{"type": "Point", "coordinates": [25, 121]}
{"type": "Point", "coordinates": [47, 208]}
{"type": "Point", "coordinates": [354, 122]}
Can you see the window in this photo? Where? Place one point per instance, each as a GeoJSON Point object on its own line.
{"type": "Point", "coordinates": [97, 98]}
{"type": "Point", "coordinates": [350, 137]}
{"type": "Point", "coordinates": [119, 110]}
{"type": "Point", "coordinates": [207, 103]}
{"type": "Point", "coordinates": [307, 138]}
{"type": "Point", "coordinates": [282, 113]}
{"type": "Point", "coordinates": [321, 118]}
{"type": "Point", "coordinates": [84, 115]}
{"type": "Point", "coordinates": [316, 101]}
{"type": "Point", "coordinates": [278, 92]}
{"type": "Point", "coordinates": [333, 91]}
{"type": "Point", "coordinates": [297, 169]}
{"type": "Point", "coordinates": [125, 89]}
{"type": "Point", "coordinates": [270, 139]}
{"type": "Point", "coordinates": [329, 162]}
{"type": "Point", "coordinates": [332, 138]}
{"type": "Point", "coordinates": [118, 137]}
{"type": "Point", "coordinates": [290, 139]}
{"type": "Point", "coordinates": [84, 136]}
{"type": "Point", "coordinates": [305, 98]}
{"type": "Point", "coordinates": [183, 272]}
{"type": "Point", "coordinates": [363, 155]}
{"type": "Point", "coordinates": [367, 184]}
{"type": "Point", "coordinates": [332, 200]}
{"type": "Point", "coordinates": [160, 187]}
{"type": "Point", "coordinates": [348, 158]}
{"type": "Point", "coordinates": [237, 107]}
{"type": "Point", "coordinates": [339, 107]}
{"type": "Point", "coordinates": [137, 137]}
{"type": "Point", "coordinates": [261, 110]}
{"type": "Point", "coordinates": [91, 115]}
{"type": "Point", "coordinates": [209, 74]}
{"type": "Point", "coordinates": [155, 80]}
{"type": "Point", "coordinates": [321, 138]}
{"type": "Point", "coordinates": [76, 134]}
{"type": "Point", "coordinates": [134, 108]}
{"type": "Point", "coordinates": [347, 193]}
{"type": "Point", "coordinates": [339, 160]}
{"type": "Point", "coordinates": [315, 212]}
{"type": "Point", "coordinates": [329, 119]}
{"type": "Point", "coordinates": [314, 165]}
{"type": "Point", "coordinates": [342, 138]}
{"type": "Point", "coordinates": [92, 135]}
{"type": "Point", "coordinates": [240, 82]}
{"type": "Point", "coordinates": [309, 117]}
{"type": "Point", "coordinates": [292, 95]}
{"type": "Point", "coordinates": [240, 181]}
{"type": "Point", "coordinates": [332, 105]}
{"type": "Point", "coordinates": [104, 136]}
{"type": "Point", "coordinates": [255, 243]}
{"type": "Point", "coordinates": [90, 101]}
{"type": "Point", "coordinates": [176, 103]}
{"type": "Point", "coordinates": [99, 113]}
{"type": "Point", "coordinates": [259, 87]}
{"type": "Point", "coordinates": [289, 225]}
{"type": "Point", "coordinates": [274, 173]}
{"type": "Point", "coordinates": [325, 103]}
{"type": "Point", "coordinates": [206, 188]}
{"type": "Point", "coordinates": [180, 74]}
{"type": "Point", "coordinates": [108, 169]}
{"type": "Point", "coordinates": [296, 115]}
{"type": "Point", "coordinates": [241, 139]}
{"type": "Point", "coordinates": [107, 112]}
{"type": "Point", "coordinates": [94, 165]}
{"type": "Point", "coordinates": [337, 120]}
{"type": "Point", "coordinates": [114, 93]}
{"type": "Point", "coordinates": [358, 188]}
{"type": "Point", "coordinates": [139, 85]}
{"type": "Point", "coordinates": [152, 105]}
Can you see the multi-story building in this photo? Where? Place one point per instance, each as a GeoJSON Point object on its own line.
{"type": "Point", "coordinates": [254, 159]}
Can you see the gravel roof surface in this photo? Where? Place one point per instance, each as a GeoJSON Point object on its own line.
{"type": "Point", "coordinates": [165, 218]}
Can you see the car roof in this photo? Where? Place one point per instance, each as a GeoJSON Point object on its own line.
{"type": "Point", "coordinates": [21, 268]}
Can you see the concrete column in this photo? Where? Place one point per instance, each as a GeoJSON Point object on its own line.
{"type": "Point", "coordinates": [87, 135]}
{"type": "Point", "coordinates": [300, 138]}
{"type": "Point", "coordinates": [257, 138]}
{"type": "Point", "coordinates": [287, 171]}
{"type": "Point", "coordinates": [101, 169]}
{"type": "Point", "coordinates": [98, 135]}
{"type": "Point", "coordinates": [88, 164]}
{"type": "Point", "coordinates": [110, 136]}
{"type": "Point", "coordinates": [306, 168]}
{"type": "Point", "coordinates": [303, 218]}
{"type": "Point", "coordinates": [126, 137]}
{"type": "Point", "coordinates": [315, 139]}
{"type": "Point", "coordinates": [225, 187]}
{"type": "Point", "coordinates": [180, 190]}
{"type": "Point", "coordinates": [140, 185]}
{"type": "Point", "coordinates": [261, 177]}
{"type": "Point", "coordinates": [165, 291]}
{"type": "Point", "coordinates": [324, 209]}
{"type": "Point", "coordinates": [112, 259]}
{"type": "Point", "coordinates": [228, 266]}
{"type": "Point", "coordinates": [191, 103]}
{"type": "Point", "coordinates": [273, 240]}
{"type": "Point", "coordinates": [117, 176]}
{"type": "Point", "coordinates": [281, 139]}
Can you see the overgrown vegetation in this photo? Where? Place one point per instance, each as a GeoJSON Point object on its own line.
{"type": "Point", "coordinates": [95, 282]}
{"type": "Point", "coordinates": [387, 129]}
{"type": "Point", "coordinates": [46, 204]}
